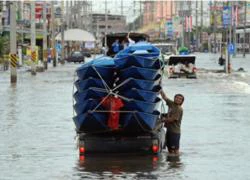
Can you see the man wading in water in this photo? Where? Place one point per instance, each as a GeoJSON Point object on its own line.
{"type": "Point", "coordinates": [173, 122]}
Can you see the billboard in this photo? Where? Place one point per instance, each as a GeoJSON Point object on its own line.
{"type": "Point", "coordinates": [169, 29]}
{"type": "Point", "coordinates": [39, 9]}
{"type": "Point", "coordinates": [226, 16]}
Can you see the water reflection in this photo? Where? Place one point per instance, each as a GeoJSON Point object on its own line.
{"type": "Point", "coordinates": [11, 106]}
{"type": "Point", "coordinates": [122, 165]}
{"type": "Point", "coordinates": [135, 166]}
{"type": "Point", "coordinates": [118, 163]}
{"type": "Point", "coordinates": [173, 161]}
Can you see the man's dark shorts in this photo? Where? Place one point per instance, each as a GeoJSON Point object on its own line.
{"type": "Point", "coordinates": [173, 140]}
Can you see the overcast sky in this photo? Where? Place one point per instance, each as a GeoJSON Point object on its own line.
{"type": "Point", "coordinates": [130, 7]}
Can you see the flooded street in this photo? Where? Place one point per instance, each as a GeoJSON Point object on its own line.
{"type": "Point", "coordinates": [37, 135]}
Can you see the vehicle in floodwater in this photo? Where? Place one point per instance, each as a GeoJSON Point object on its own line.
{"type": "Point", "coordinates": [131, 99]}
{"type": "Point", "coordinates": [181, 66]}
{"type": "Point", "coordinates": [123, 41]}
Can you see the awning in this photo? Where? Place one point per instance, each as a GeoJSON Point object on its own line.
{"type": "Point", "coordinates": [76, 35]}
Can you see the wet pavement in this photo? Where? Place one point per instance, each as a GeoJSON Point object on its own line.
{"type": "Point", "coordinates": [37, 136]}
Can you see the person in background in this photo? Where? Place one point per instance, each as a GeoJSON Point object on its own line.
{"type": "Point", "coordinates": [124, 43]}
{"type": "Point", "coordinates": [49, 57]}
{"type": "Point", "coordinates": [222, 59]}
{"type": "Point", "coordinates": [172, 122]}
{"type": "Point", "coordinates": [116, 46]}
{"type": "Point", "coordinates": [130, 41]}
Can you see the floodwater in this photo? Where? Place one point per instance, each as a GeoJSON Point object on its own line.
{"type": "Point", "coordinates": [37, 136]}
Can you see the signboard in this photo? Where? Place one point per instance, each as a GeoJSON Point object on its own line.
{"type": "Point", "coordinates": [230, 48]}
{"type": "Point", "coordinates": [29, 53]}
{"type": "Point", "coordinates": [226, 16]}
{"type": "Point", "coordinates": [216, 13]}
{"type": "Point", "coordinates": [89, 45]}
{"type": "Point", "coordinates": [39, 9]}
{"type": "Point", "coordinates": [177, 26]}
{"type": "Point", "coordinates": [247, 13]}
{"type": "Point", "coordinates": [169, 29]}
{"type": "Point", "coordinates": [58, 12]}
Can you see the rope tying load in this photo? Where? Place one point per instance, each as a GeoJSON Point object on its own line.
{"type": "Point", "coordinates": [114, 103]}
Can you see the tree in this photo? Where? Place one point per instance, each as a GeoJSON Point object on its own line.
{"type": "Point", "coordinates": [4, 45]}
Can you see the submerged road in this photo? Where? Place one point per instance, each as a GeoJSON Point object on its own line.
{"type": "Point", "coordinates": [37, 136]}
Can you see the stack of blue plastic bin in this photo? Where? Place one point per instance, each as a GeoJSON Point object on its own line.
{"type": "Point", "coordinates": [139, 73]}
{"type": "Point", "coordinates": [134, 76]}
{"type": "Point", "coordinates": [95, 78]}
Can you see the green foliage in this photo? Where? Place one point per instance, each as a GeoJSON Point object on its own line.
{"type": "Point", "coordinates": [4, 45]}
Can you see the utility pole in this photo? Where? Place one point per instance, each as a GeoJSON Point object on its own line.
{"type": "Point", "coordinates": [177, 38]}
{"type": "Point", "coordinates": [133, 28]}
{"type": "Point", "coordinates": [91, 15]}
{"type": "Point", "coordinates": [215, 26]}
{"type": "Point", "coordinates": [68, 17]}
{"type": "Point", "coordinates": [45, 51]}
{"type": "Point", "coordinates": [189, 23]}
{"type": "Point", "coordinates": [67, 14]}
{"type": "Point", "coordinates": [234, 7]}
{"type": "Point", "coordinates": [105, 38]}
{"type": "Point", "coordinates": [161, 19]}
{"type": "Point", "coordinates": [183, 23]}
{"type": "Point", "coordinates": [33, 39]}
{"type": "Point", "coordinates": [22, 33]}
{"type": "Point", "coordinates": [13, 59]}
{"type": "Point", "coordinates": [19, 49]}
{"type": "Point", "coordinates": [172, 18]}
{"type": "Point", "coordinates": [171, 9]}
{"type": "Point", "coordinates": [122, 7]}
{"type": "Point", "coordinates": [81, 11]}
{"type": "Point", "coordinates": [245, 20]}
{"type": "Point", "coordinates": [62, 33]}
{"type": "Point", "coordinates": [228, 69]}
{"type": "Point", "coordinates": [196, 24]}
{"type": "Point", "coordinates": [53, 53]}
{"type": "Point", "coordinates": [201, 19]}
{"type": "Point", "coordinates": [140, 16]}
{"type": "Point", "coordinates": [175, 8]}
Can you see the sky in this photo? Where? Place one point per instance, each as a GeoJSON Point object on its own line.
{"type": "Point", "coordinates": [131, 8]}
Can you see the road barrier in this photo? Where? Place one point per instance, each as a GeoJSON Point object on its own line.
{"type": "Point", "coordinates": [13, 60]}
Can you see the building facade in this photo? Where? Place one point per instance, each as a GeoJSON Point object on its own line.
{"type": "Point", "coordinates": [155, 15]}
{"type": "Point", "coordinates": [115, 23]}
